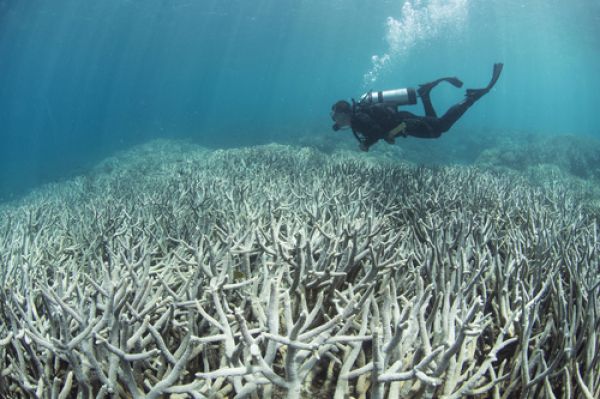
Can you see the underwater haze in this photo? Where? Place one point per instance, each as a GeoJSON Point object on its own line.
{"type": "Point", "coordinates": [81, 79]}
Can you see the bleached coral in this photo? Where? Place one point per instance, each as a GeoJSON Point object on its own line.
{"type": "Point", "coordinates": [277, 272]}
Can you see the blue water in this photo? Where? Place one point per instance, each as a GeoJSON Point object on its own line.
{"type": "Point", "coordinates": [80, 79]}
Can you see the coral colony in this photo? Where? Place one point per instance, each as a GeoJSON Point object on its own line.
{"type": "Point", "coordinates": [276, 272]}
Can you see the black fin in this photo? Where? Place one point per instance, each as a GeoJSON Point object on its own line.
{"type": "Point", "coordinates": [495, 75]}
{"type": "Point", "coordinates": [476, 94]}
{"type": "Point", "coordinates": [424, 89]}
{"type": "Point", "coordinates": [454, 81]}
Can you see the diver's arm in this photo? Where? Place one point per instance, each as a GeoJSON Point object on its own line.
{"type": "Point", "coordinates": [370, 130]}
{"type": "Point", "coordinates": [368, 142]}
{"type": "Point", "coordinates": [362, 141]}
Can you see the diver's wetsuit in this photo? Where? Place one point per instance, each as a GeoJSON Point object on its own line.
{"type": "Point", "coordinates": [372, 122]}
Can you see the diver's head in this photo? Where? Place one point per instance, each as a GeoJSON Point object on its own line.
{"type": "Point", "coordinates": [341, 113]}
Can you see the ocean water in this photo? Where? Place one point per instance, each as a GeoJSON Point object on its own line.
{"type": "Point", "coordinates": [80, 79]}
{"type": "Point", "coordinates": [178, 219]}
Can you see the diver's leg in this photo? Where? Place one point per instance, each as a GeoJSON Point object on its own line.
{"type": "Point", "coordinates": [424, 90]}
{"type": "Point", "coordinates": [426, 100]}
{"type": "Point", "coordinates": [452, 115]}
{"type": "Point", "coordinates": [456, 111]}
{"type": "Point", "coordinates": [424, 127]}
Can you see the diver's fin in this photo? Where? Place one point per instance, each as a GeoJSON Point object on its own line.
{"type": "Point", "coordinates": [424, 89]}
{"type": "Point", "coordinates": [495, 75]}
{"type": "Point", "coordinates": [454, 81]}
{"type": "Point", "coordinates": [476, 94]}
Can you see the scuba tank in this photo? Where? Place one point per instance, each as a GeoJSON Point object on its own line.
{"type": "Point", "coordinates": [397, 97]}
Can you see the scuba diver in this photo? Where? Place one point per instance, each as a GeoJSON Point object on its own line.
{"type": "Point", "coordinates": [376, 115]}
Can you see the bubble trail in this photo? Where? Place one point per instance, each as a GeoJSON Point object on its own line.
{"type": "Point", "coordinates": [420, 21]}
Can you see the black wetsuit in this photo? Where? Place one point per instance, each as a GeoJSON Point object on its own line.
{"type": "Point", "coordinates": [372, 122]}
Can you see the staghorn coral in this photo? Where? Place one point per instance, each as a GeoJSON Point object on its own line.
{"type": "Point", "coordinates": [277, 272]}
{"type": "Point", "coordinates": [575, 155]}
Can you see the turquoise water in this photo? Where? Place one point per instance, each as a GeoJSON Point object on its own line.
{"type": "Point", "coordinates": [80, 79]}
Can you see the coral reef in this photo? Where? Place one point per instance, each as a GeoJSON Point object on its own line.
{"type": "Point", "coordinates": [459, 146]}
{"type": "Point", "coordinates": [274, 272]}
{"type": "Point", "coordinates": [578, 156]}
{"type": "Point", "coordinates": [575, 155]}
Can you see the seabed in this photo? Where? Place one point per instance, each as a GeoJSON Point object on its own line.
{"type": "Point", "coordinates": [173, 271]}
